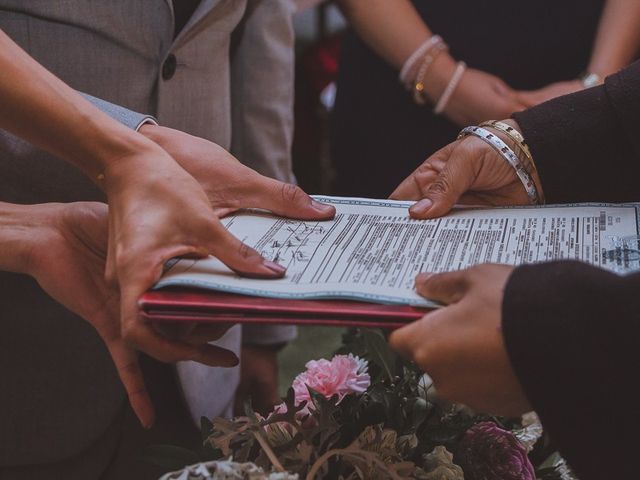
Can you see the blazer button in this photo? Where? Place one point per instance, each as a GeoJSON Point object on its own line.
{"type": "Point", "coordinates": [169, 67]}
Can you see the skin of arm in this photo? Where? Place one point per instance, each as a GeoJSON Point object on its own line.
{"type": "Point", "coordinates": [618, 37]}
{"type": "Point", "coordinates": [615, 46]}
{"type": "Point", "coordinates": [157, 211]}
{"type": "Point", "coordinates": [394, 30]}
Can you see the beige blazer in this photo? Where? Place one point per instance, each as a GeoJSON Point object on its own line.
{"type": "Point", "coordinates": [227, 77]}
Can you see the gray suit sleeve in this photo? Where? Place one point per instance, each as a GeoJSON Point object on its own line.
{"type": "Point", "coordinates": [129, 118]}
{"type": "Point", "coordinates": [262, 66]}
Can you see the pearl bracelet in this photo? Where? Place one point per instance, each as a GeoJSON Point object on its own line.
{"type": "Point", "coordinates": [511, 158]}
{"type": "Point", "coordinates": [415, 56]}
{"type": "Point", "coordinates": [429, 58]}
{"type": "Point", "coordinates": [448, 92]}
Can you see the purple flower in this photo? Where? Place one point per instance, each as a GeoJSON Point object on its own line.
{"type": "Point", "coordinates": [487, 452]}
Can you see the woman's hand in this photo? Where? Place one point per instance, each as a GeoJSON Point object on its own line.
{"type": "Point", "coordinates": [67, 246]}
{"type": "Point", "coordinates": [461, 346]}
{"type": "Point", "coordinates": [158, 211]}
{"type": "Point", "coordinates": [481, 96]}
{"type": "Point", "coordinates": [468, 171]}
{"type": "Point", "coordinates": [230, 185]}
{"type": "Point", "coordinates": [535, 97]}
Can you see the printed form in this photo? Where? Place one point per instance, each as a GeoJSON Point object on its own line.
{"type": "Point", "coordinates": [372, 251]}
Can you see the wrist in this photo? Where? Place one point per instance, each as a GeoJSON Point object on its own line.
{"type": "Point", "coordinates": [439, 76]}
{"type": "Point", "coordinates": [111, 147]}
{"type": "Point", "coordinates": [22, 230]}
{"type": "Point", "coordinates": [143, 161]}
{"type": "Point", "coordinates": [534, 174]}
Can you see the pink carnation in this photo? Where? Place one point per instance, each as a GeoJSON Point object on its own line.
{"type": "Point", "coordinates": [343, 375]}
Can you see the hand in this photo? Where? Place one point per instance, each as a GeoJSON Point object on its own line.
{"type": "Point", "coordinates": [461, 346]}
{"type": "Point", "coordinates": [230, 185]}
{"type": "Point", "coordinates": [468, 171]}
{"type": "Point", "coordinates": [535, 97]}
{"type": "Point", "coordinates": [481, 96]}
{"type": "Point", "coordinates": [258, 379]}
{"type": "Point", "coordinates": [157, 211]}
{"type": "Point", "coordinates": [68, 242]}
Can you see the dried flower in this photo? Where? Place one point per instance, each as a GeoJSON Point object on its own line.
{"type": "Point", "coordinates": [226, 470]}
{"type": "Point", "coordinates": [530, 432]}
{"type": "Point", "coordinates": [487, 452]}
{"type": "Point", "coordinates": [439, 466]}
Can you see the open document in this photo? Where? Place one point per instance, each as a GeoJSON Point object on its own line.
{"type": "Point", "coordinates": [372, 251]}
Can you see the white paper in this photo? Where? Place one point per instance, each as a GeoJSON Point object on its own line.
{"type": "Point", "coordinates": [372, 250]}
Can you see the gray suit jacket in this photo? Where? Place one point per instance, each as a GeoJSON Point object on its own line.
{"type": "Point", "coordinates": [232, 84]}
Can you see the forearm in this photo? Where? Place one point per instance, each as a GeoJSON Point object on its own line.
{"type": "Point", "coordinates": [41, 109]}
{"type": "Point", "coordinates": [393, 29]}
{"type": "Point", "coordinates": [572, 334]}
{"type": "Point", "coordinates": [586, 145]}
{"type": "Point", "coordinates": [618, 37]}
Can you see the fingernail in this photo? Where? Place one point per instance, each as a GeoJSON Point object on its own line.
{"type": "Point", "coordinates": [321, 207]}
{"type": "Point", "coordinates": [421, 207]}
{"type": "Point", "coordinates": [274, 267]}
{"type": "Point", "coordinates": [423, 277]}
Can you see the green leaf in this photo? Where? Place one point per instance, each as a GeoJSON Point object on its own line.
{"type": "Point", "coordinates": [379, 352]}
{"type": "Point", "coordinates": [169, 456]}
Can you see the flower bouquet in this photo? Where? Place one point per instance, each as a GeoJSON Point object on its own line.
{"type": "Point", "coordinates": [368, 414]}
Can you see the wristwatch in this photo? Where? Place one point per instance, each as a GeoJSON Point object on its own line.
{"type": "Point", "coordinates": [589, 80]}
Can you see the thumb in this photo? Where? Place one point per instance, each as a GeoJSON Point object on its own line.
{"type": "Point", "coordinates": [455, 178]}
{"type": "Point", "coordinates": [289, 200]}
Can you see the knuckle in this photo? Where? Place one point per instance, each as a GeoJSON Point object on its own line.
{"type": "Point", "coordinates": [439, 186]}
{"type": "Point", "coordinates": [291, 193]}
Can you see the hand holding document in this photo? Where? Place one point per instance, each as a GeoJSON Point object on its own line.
{"type": "Point", "coordinates": [372, 250]}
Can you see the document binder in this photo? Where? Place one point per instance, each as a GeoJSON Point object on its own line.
{"type": "Point", "coordinates": [179, 305]}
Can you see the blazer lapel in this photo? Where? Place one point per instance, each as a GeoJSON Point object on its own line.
{"type": "Point", "coordinates": [201, 12]}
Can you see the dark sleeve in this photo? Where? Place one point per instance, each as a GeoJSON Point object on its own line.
{"type": "Point", "coordinates": [572, 332]}
{"type": "Point", "coordinates": [587, 145]}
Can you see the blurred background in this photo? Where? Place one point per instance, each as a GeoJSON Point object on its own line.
{"type": "Point", "coordinates": [319, 27]}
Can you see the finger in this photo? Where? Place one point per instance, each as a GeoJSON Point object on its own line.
{"type": "Point", "coordinates": [239, 257]}
{"type": "Point", "coordinates": [528, 99]}
{"type": "Point", "coordinates": [128, 368]}
{"type": "Point", "coordinates": [412, 340]}
{"type": "Point", "coordinates": [415, 185]}
{"type": "Point", "coordinates": [289, 200]}
{"type": "Point", "coordinates": [446, 288]}
{"type": "Point", "coordinates": [143, 337]}
{"type": "Point", "coordinates": [206, 333]}
{"type": "Point", "coordinates": [191, 332]}
{"type": "Point", "coordinates": [441, 194]}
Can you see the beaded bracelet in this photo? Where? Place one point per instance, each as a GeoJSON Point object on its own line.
{"type": "Point", "coordinates": [451, 87]}
{"type": "Point", "coordinates": [512, 159]}
{"type": "Point", "coordinates": [415, 56]}
{"type": "Point", "coordinates": [419, 87]}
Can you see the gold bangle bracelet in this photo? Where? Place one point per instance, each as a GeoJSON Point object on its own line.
{"type": "Point", "coordinates": [514, 135]}
{"type": "Point", "coordinates": [521, 147]}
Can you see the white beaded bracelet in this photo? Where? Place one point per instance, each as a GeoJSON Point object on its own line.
{"type": "Point", "coordinates": [511, 158]}
{"type": "Point", "coordinates": [415, 56]}
{"type": "Point", "coordinates": [448, 92]}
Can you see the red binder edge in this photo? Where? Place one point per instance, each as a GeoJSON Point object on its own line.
{"type": "Point", "coordinates": [178, 305]}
